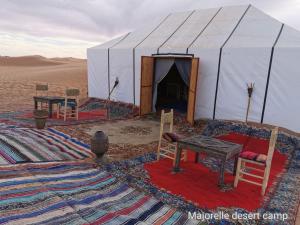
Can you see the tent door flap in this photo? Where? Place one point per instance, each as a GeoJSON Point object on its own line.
{"type": "Point", "coordinates": [147, 72]}
{"type": "Point", "coordinates": [192, 91]}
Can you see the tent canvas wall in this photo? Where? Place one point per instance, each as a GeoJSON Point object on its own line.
{"type": "Point", "coordinates": [235, 44]}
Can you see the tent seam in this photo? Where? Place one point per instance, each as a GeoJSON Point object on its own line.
{"type": "Point", "coordinates": [220, 59]}
{"type": "Point", "coordinates": [153, 30]}
{"type": "Point", "coordinates": [201, 32]}
{"type": "Point", "coordinates": [133, 54]}
{"type": "Point", "coordinates": [269, 73]}
{"type": "Point", "coordinates": [108, 61]}
{"type": "Point", "coordinates": [176, 30]}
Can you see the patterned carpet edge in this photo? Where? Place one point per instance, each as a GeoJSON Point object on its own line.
{"type": "Point", "coordinates": [283, 198]}
{"type": "Point", "coordinates": [28, 145]}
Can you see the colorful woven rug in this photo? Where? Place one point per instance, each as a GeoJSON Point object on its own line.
{"type": "Point", "coordinates": [77, 193]}
{"type": "Point", "coordinates": [282, 198]}
{"type": "Point", "coordinates": [23, 145]}
{"type": "Point", "coordinates": [203, 177]}
{"type": "Point", "coordinates": [82, 115]}
{"type": "Point", "coordinates": [93, 110]}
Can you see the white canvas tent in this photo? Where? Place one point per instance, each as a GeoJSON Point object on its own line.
{"type": "Point", "coordinates": [235, 44]}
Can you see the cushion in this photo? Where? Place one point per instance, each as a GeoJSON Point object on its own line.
{"type": "Point", "coordinates": [249, 155]}
{"type": "Point", "coordinates": [70, 103]}
{"type": "Point", "coordinates": [261, 158]}
{"type": "Point", "coordinates": [253, 156]}
{"type": "Point", "coordinates": [171, 137]}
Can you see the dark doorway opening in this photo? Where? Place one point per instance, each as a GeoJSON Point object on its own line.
{"type": "Point", "coordinates": [172, 92]}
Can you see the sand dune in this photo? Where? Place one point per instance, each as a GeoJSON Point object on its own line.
{"type": "Point", "coordinates": [35, 60]}
{"type": "Point", "coordinates": [18, 76]}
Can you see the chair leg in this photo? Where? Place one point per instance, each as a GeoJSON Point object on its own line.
{"type": "Point", "coordinates": [57, 111]}
{"type": "Point", "coordinates": [158, 151]}
{"type": "Point", "coordinates": [263, 190]}
{"type": "Point", "coordinates": [65, 114]}
{"type": "Point", "coordinates": [265, 181]}
{"type": "Point", "coordinates": [237, 175]}
{"type": "Point", "coordinates": [175, 153]}
{"type": "Point", "coordinates": [185, 156]}
{"type": "Point", "coordinates": [77, 114]}
{"type": "Point", "coordinates": [243, 165]}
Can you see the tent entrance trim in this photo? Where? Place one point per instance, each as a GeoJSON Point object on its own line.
{"type": "Point", "coordinates": [172, 55]}
{"type": "Point", "coordinates": [155, 70]}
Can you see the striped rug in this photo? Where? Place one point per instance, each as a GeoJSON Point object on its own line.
{"type": "Point", "coordinates": [20, 145]}
{"type": "Point", "coordinates": [76, 193]}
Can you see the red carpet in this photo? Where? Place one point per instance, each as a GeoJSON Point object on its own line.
{"type": "Point", "coordinates": [89, 115]}
{"type": "Point", "coordinates": [198, 184]}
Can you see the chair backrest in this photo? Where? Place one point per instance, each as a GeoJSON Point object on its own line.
{"type": "Point", "coordinates": [166, 119]}
{"type": "Point", "coordinates": [72, 93]}
{"type": "Point", "coordinates": [272, 144]}
{"type": "Point", "coordinates": [41, 89]}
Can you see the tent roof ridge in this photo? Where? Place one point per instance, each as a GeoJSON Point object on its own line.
{"type": "Point", "coordinates": [295, 32]}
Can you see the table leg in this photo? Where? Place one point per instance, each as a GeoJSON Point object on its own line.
{"type": "Point", "coordinates": [50, 109]}
{"type": "Point", "coordinates": [177, 159]}
{"type": "Point", "coordinates": [221, 175]}
{"type": "Point", "coordinates": [235, 164]}
{"type": "Point", "coordinates": [73, 111]}
{"type": "Point", "coordinates": [197, 157]}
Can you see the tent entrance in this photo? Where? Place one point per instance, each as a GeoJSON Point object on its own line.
{"type": "Point", "coordinates": [172, 92]}
{"type": "Point", "coordinates": [169, 83]}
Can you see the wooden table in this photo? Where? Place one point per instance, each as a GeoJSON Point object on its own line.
{"type": "Point", "coordinates": [51, 100]}
{"type": "Point", "coordinates": [222, 150]}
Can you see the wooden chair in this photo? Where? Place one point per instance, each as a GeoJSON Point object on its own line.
{"type": "Point", "coordinates": [262, 164]}
{"type": "Point", "coordinates": [168, 148]}
{"type": "Point", "coordinates": [42, 90]}
{"type": "Point", "coordinates": [69, 107]}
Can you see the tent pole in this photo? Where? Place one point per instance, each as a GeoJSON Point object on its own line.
{"type": "Point", "coordinates": [108, 98]}
{"type": "Point", "coordinates": [250, 88]}
{"type": "Point", "coordinates": [248, 109]}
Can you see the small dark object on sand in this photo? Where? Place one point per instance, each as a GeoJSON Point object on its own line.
{"type": "Point", "coordinates": [99, 143]}
{"type": "Point", "coordinates": [40, 117]}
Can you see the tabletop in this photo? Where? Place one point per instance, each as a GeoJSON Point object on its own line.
{"type": "Point", "coordinates": [211, 144]}
{"type": "Point", "coordinates": [49, 97]}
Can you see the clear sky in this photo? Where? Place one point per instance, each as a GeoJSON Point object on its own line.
{"type": "Point", "coordinates": [65, 28]}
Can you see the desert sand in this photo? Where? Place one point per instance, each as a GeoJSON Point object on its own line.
{"type": "Point", "coordinates": [19, 75]}
{"type": "Point", "coordinates": [135, 132]}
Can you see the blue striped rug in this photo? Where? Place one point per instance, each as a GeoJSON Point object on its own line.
{"type": "Point", "coordinates": [76, 193]}
{"type": "Point", "coordinates": [21, 145]}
